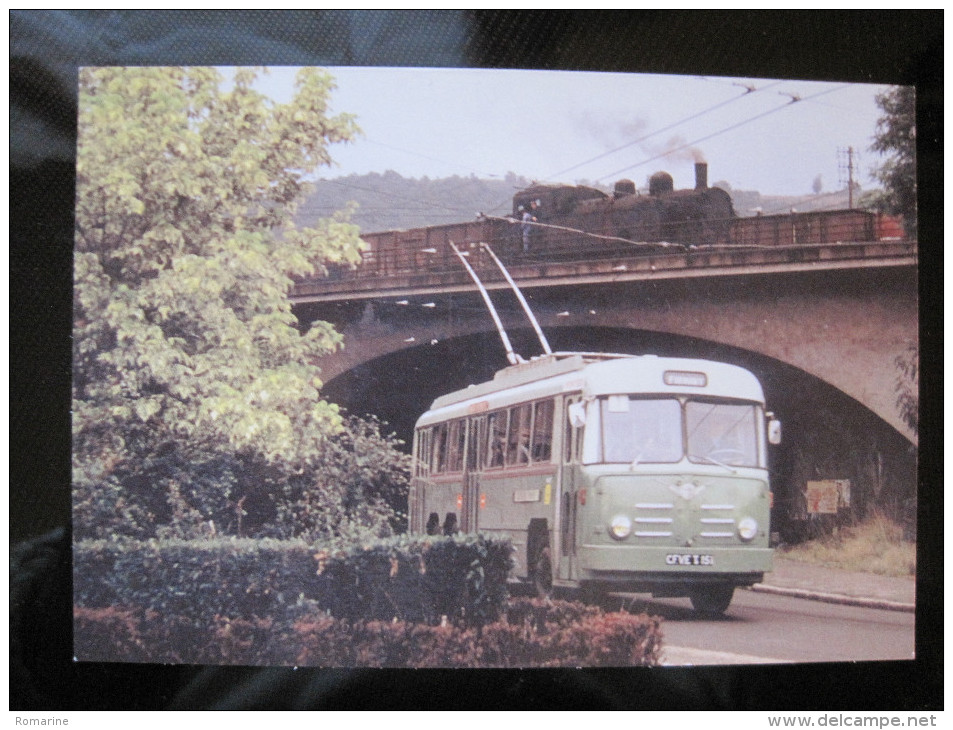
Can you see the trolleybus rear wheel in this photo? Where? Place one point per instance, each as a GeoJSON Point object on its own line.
{"type": "Point", "coordinates": [543, 573]}
{"type": "Point", "coordinates": [589, 593]}
{"type": "Point", "coordinates": [712, 600]}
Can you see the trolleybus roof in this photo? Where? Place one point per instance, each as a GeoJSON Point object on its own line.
{"type": "Point", "coordinates": [596, 374]}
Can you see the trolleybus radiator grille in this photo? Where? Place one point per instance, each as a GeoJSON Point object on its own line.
{"type": "Point", "coordinates": [710, 525]}
{"type": "Point", "coordinates": [651, 520]}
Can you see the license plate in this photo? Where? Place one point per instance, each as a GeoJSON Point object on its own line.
{"type": "Point", "coordinates": [689, 559]}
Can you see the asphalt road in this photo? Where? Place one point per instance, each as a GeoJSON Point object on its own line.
{"type": "Point", "coordinates": [760, 628]}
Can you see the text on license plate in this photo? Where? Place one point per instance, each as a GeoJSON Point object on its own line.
{"type": "Point", "coordinates": [689, 559]}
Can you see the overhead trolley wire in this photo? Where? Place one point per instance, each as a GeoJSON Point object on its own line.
{"type": "Point", "coordinates": [719, 105]}
{"type": "Point", "coordinates": [748, 90]}
{"type": "Point", "coordinates": [794, 100]}
{"type": "Point", "coordinates": [588, 234]}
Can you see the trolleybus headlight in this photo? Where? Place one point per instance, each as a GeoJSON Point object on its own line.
{"type": "Point", "coordinates": [747, 529]}
{"type": "Point", "coordinates": [620, 527]}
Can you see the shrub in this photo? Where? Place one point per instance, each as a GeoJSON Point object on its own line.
{"type": "Point", "coordinates": [419, 579]}
{"type": "Point", "coordinates": [105, 634]}
{"type": "Point", "coordinates": [529, 633]}
{"type": "Point", "coordinates": [876, 544]}
{"type": "Point", "coordinates": [355, 486]}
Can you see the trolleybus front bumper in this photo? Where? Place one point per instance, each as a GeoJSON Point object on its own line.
{"type": "Point", "coordinates": [660, 564]}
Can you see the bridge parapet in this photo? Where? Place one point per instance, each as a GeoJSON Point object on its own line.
{"type": "Point", "coordinates": [442, 276]}
{"type": "Point", "coordinates": [840, 312]}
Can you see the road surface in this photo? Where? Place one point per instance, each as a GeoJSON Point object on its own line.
{"type": "Point", "coordinates": [759, 628]}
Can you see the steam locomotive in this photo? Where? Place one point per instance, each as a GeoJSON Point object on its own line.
{"type": "Point", "coordinates": [574, 222]}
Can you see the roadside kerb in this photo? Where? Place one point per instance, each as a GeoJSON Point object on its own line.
{"type": "Point", "coordinates": [837, 598]}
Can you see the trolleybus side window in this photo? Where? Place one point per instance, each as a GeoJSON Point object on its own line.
{"type": "Point", "coordinates": [497, 439]}
{"type": "Point", "coordinates": [575, 418]}
{"type": "Point", "coordinates": [443, 444]}
{"type": "Point", "coordinates": [423, 452]}
{"type": "Point", "coordinates": [439, 448]}
{"type": "Point", "coordinates": [454, 458]}
{"type": "Point", "coordinates": [543, 430]}
{"type": "Point", "coordinates": [476, 445]}
{"type": "Point", "coordinates": [517, 451]}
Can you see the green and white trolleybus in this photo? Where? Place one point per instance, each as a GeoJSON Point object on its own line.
{"type": "Point", "coordinates": [607, 472]}
{"type": "Point", "coordinates": [622, 473]}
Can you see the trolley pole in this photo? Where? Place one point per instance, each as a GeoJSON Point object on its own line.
{"type": "Point", "coordinates": [522, 300]}
{"type": "Point", "coordinates": [511, 356]}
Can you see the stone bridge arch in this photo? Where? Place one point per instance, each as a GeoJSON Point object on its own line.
{"type": "Point", "coordinates": [844, 331]}
{"type": "Point", "coordinates": [828, 434]}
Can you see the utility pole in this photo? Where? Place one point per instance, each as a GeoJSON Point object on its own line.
{"type": "Point", "coordinates": [848, 167]}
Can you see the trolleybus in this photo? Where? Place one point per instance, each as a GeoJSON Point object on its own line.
{"type": "Point", "coordinates": [607, 472]}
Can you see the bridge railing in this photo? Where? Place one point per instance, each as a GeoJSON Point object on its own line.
{"type": "Point", "coordinates": [792, 229]}
{"type": "Point", "coordinates": [427, 250]}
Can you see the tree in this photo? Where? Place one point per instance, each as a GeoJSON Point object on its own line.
{"type": "Point", "coordinates": [907, 386]}
{"type": "Point", "coordinates": [361, 480]}
{"type": "Point", "coordinates": [195, 396]}
{"type": "Point", "coordinates": [896, 137]}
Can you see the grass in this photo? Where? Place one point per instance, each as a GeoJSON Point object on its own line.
{"type": "Point", "coordinates": [875, 545]}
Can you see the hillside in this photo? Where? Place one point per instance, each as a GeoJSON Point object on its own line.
{"type": "Point", "coordinates": [390, 201]}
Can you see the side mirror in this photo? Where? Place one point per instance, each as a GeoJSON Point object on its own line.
{"type": "Point", "coordinates": [577, 414]}
{"type": "Point", "coordinates": [774, 430]}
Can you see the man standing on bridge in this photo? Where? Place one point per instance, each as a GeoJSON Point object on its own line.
{"type": "Point", "coordinates": [529, 217]}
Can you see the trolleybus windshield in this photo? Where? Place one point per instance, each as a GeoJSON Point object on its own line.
{"type": "Point", "coordinates": [722, 433]}
{"type": "Point", "coordinates": [633, 430]}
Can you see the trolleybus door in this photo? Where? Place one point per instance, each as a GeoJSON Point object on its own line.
{"type": "Point", "coordinates": [567, 528]}
{"type": "Point", "coordinates": [569, 501]}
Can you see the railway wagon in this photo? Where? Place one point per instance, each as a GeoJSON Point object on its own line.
{"type": "Point", "coordinates": [793, 229]}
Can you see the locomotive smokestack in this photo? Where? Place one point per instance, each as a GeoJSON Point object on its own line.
{"type": "Point", "coordinates": [701, 175]}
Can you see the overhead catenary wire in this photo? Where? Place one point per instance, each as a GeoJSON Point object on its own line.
{"type": "Point", "coordinates": [719, 105]}
{"type": "Point", "coordinates": [794, 100]}
{"type": "Point", "coordinates": [453, 210]}
{"type": "Point", "coordinates": [578, 231]}
{"type": "Point", "coordinates": [748, 90]}
{"type": "Point", "coordinates": [654, 244]}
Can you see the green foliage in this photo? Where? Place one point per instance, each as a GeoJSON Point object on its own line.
{"type": "Point", "coordinates": [361, 478]}
{"type": "Point", "coordinates": [196, 399]}
{"type": "Point", "coordinates": [193, 578]}
{"type": "Point", "coordinates": [908, 381]}
{"type": "Point", "coordinates": [420, 579]}
{"type": "Point", "coordinates": [896, 137]}
{"type": "Point", "coordinates": [877, 544]}
{"type": "Point", "coordinates": [402, 602]}
{"type": "Point", "coordinates": [390, 201]}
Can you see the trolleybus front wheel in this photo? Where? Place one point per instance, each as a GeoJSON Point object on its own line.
{"type": "Point", "coordinates": [712, 600]}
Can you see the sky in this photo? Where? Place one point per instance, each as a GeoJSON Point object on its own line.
{"type": "Point", "coordinates": [773, 136]}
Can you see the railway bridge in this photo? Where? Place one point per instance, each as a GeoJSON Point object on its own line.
{"type": "Point", "coordinates": [840, 312]}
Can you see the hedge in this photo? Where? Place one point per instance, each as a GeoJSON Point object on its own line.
{"type": "Point", "coordinates": [420, 579]}
{"type": "Point", "coordinates": [528, 633]}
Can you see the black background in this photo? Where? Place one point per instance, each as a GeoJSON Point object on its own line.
{"type": "Point", "coordinates": [46, 47]}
